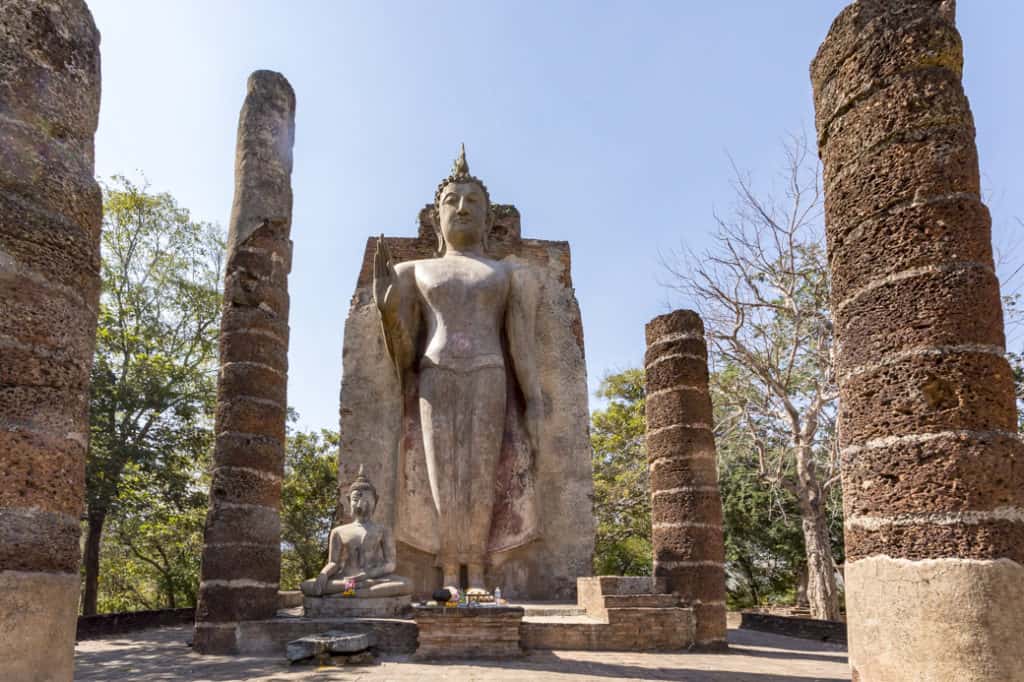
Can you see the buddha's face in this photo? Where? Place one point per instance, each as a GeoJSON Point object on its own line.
{"type": "Point", "coordinates": [362, 503]}
{"type": "Point", "coordinates": [462, 211]}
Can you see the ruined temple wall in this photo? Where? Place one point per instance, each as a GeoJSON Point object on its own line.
{"type": "Point", "coordinates": [933, 481]}
{"type": "Point", "coordinates": [546, 568]}
{"type": "Point", "coordinates": [50, 217]}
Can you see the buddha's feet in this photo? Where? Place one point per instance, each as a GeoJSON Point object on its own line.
{"type": "Point", "coordinates": [475, 574]}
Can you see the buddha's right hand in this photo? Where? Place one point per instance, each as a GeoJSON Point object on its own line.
{"type": "Point", "coordinates": [384, 278]}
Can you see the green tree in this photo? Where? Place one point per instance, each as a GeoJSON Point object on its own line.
{"type": "Point", "coordinates": [153, 377]}
{"type": "Point", "coordinates": [309, 496]}
{"type": "Point", "coordinates": [152, 545]}
{"type": "Point", "coordinates": [763, 546]}
{"type": "Point", "coordinates": [622, 497]}
{"type": "Point", "coordinates": [763, 291]}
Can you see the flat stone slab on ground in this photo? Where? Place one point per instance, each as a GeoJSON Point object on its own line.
{"type": "Point", "coordinates": [352, 607]}
{"type": "Point", "coordinates": [331, 642]}
{"type": "Point", "coordinates": [270, 637]}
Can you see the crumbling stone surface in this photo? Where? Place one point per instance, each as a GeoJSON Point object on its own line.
{"type": "Point", "coordinates": [987, 467]}
{"type": "Point", "coordinates": [241, 554]}
{"type": "Point", "coordinates": [330, 642]}
{"type": "Point", "coordinates": [686, 507]}
{"type": "Point", "coordinates": [931, 460]}
{"type": "Point", "coordinates": [482, 632]}
{"type": "Point", "coordinates": [50, 216]}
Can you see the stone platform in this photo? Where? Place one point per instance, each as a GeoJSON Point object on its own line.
{"type": "Point", "coordinates": [618, 614]}
{"type": "Point", "coordinates": [270, 637]}
{"type": "Point", "coordinates": [336, 606]}
{"type": "Point", "coordinates": [480, 632]}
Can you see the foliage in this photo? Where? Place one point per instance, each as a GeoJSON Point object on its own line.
{"type": "Point", "coordinates": [308, 500]}
{"type": "Point", "coordinates": [152, 547]}
{"type": "Point", "coordinates": [763, 292]}
{"type": "Point", "coordinates": [153, 377]}
{"type": "Point", "coordinates": [763, 539]}
{"type": "Point", "coordinates": [622, 503]}
{"type": "Point", "coordinates": [764, 544]}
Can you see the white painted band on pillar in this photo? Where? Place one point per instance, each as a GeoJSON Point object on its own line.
{"type": "Point", "coordinates": [696, 426]}
{"type": "Point", "coordinates": [920, 438]}
{"type": "Point", "coordinates": [910, 273]}
{"type": "Point", "coordinates": [674, 356]}
{"type": "Point", "coordinates": [256, 331]}
{"type": "Point", "coordinates": [253, 363]}
{"type": "Point", "coordinates": [685, 524]}
{"type": "Point", "coordinates": [658, 461]}
{"type": "Point", "coordinates": [971, 518]}
{"type": "Point", "coordinates": [675, 389]}
{"type": "Point", "coordinates": [933, 351]}
{"type": "Point", "coordinates": [686, 489]}
{"type": "Point", "coordinates": [677, 336]}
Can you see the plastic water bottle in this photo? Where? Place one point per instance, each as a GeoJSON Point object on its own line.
{"type": "Point", "coordinates": [497, 594]}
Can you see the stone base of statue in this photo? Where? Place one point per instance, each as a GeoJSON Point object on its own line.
{"type": "Point", "coordinates": [336, 606]}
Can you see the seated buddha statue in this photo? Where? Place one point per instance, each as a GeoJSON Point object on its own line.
{"type": "Point", "coordinates": [361, 554]}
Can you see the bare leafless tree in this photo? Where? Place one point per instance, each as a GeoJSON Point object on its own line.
{"type": "Point", "coordinates": [763, 292]}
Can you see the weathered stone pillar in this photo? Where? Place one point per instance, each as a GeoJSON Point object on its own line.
{"type": "Point", "coordinates": [50, 213]}
{"type": "Point", "coordinates": [686, 507]}
{"type": "Point", "coordinates": [933, 469]}
{"type": "Point", "coordinates": [241, 555]}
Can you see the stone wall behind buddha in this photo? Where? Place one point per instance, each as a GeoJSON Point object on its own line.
{"type": "Point", "coordinates": [546, 568]}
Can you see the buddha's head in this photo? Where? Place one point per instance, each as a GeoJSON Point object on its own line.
{"type": "Point", "coordinates": [362, 497]}
{"type": "Point", "coordinates": [463, 209]}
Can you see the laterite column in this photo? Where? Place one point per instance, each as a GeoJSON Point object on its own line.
{"type": "Point", "coordinates": [50, 215]}
{"type": "Point", "coordinates": [241, 555]}
{"type": "Point", "coordinates": [933, 469]}
{"type": "Point", "coordinates": [686, 507]}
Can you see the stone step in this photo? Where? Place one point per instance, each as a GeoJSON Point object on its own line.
{"type": "Point", "coordinates": [644, 629]}
{"type": "Point", "coordinates": [619, 584]}
{"type": "Point", "coordinates": [552, 609]}
{"type": "Point", "coordinates": [640, 601]}
{"type": "Point", "coordinates": [580, 619]}
{"type": "Point", "coordinates": [643, 614]}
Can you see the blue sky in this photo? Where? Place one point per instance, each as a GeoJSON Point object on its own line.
{"type": "Point", "coordinates": [607, 123]}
